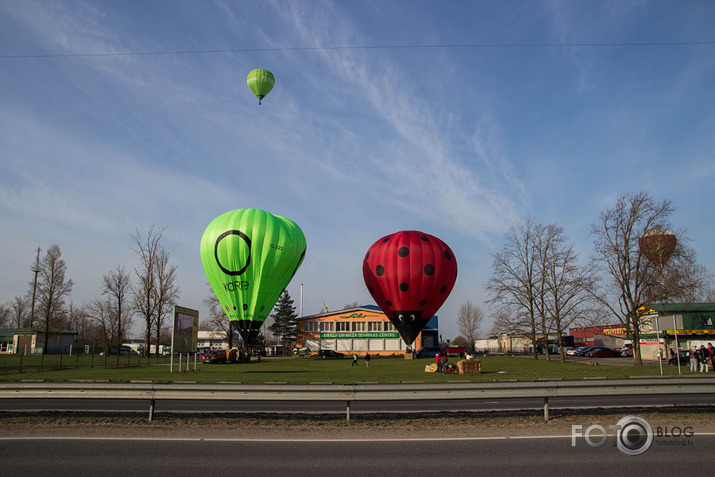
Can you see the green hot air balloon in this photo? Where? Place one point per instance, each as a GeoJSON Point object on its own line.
{"type": "Point", "coordinates": [250, 256]}
{"type": "Point", "coordinates": [260, 82]}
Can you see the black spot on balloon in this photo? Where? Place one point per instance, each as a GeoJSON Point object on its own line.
{"type": "Point", "coordinates": [367, 255]}
{"type": "Point", "coordinates": [447, 255]}
{"type": "Point", "coordinates": [424, 239]}
{"type": "Point", "coordinates": [369, 288]}
{"type": "Point", "coordinates": [429, 269]}
{"type": "Point", "coordinates": [389, 303]}
{"type": "Point", "coordinates": [404, 287]}
{"type": "Point", "coordinates": [423, 303]}
{"type": "Point", "coordinates": [380, 270]}
{"type": "Point", "coordinates": [403, 251]}
{"type": "Point", "coordinates": [386, 239]}
{"type": "Point", "coordinates": [443, 289]}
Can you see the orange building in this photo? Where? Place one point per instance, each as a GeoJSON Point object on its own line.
{"type": "Point", "coordinates": [359, 330]}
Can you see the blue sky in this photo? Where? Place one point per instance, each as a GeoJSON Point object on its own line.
{"type": "Point", "coordinates": [397, 129]}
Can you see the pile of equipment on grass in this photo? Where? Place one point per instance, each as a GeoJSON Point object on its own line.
{"type": "Point", "coordinates": [465, 366]}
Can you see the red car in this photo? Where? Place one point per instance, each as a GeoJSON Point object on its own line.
{"type": "Point", "coordinates": [601, 353]}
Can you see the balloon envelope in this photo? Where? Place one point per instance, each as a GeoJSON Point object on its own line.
{"type": "Point", "coordinates": [260, 82]}
{"type": "Point", "coordinates": [658, 245]}
{"type": "Point", "coordinates": [409, 274]}
{"type": "Point", "coordinates": [250, 256]}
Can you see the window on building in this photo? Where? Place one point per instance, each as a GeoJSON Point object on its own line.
{"type": "Point", "coordinates": [327, 326]}
{"type": "Point", "coordinates": [343, 325]}
{"type": "Point", "coordinates": [707, 321]}
{"type": "Point", "coordinates": [374, 326]}
{"type": "Point", "coordinates": [389, 326]}
{"type": "Point", "coordinates": [310, 326]}
{"type": "Point", "coordinates": [359, 325]}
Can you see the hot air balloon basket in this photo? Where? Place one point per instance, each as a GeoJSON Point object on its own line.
{"type": "Point", "coordinates": [469, 366]}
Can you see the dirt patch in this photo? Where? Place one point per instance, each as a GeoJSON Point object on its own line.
{"type": "Point", "coordinates": [276, 426]}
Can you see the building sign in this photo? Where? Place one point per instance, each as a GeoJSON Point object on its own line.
{"type": "Point", "coordinates": [689, 332]}
{"type": "Point", "coordinates": [373, 334]}
{"type": "Point", "coordinates": [354, 315]}
{"type": "Point", "coordinates": [614, 331]}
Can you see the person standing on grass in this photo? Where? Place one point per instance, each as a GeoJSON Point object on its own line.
{"type": "Point", "coordinates": [438, 363]}
{"type": "Point", "coordinates": [367, 360]}
{"type": "Point", "coordinates": [693, 355]}
{"type": "Point", "coordinates": [704, 359]}
{"type": "Point", "coordinates": [355, 361]}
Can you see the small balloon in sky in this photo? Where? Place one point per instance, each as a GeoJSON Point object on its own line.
{"type": "Point", "coordinates": [250, 256]}
{"type": "Point", "coordinates": [409, 274]}
{"type": "Point", "coordinates": [260, 82]}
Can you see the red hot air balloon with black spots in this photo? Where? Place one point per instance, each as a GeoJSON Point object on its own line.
{"type": "Point", "coordinates": [409, 274]}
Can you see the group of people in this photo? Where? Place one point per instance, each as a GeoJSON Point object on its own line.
{"type": "Point", "coordinates": [701, 359]}
{"type": "Point", "coordinates": [355, 360]}
{"type": "Point", "coordinates": [440, 359]}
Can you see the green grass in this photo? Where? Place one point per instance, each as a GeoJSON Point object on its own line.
{"type": "Point", "coordinates": [339, 371]}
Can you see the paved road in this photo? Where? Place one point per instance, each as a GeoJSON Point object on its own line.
{"type": "Point", "coordinates": [532, 456]}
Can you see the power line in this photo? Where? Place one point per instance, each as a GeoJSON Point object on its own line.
{"type": "Point", "coordinates": [368, 47]}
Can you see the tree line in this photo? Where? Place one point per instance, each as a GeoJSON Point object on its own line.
{"type": "Point", "coordinates": [539, 286]}
{"type": "Point", "coordinates": [148, 294]}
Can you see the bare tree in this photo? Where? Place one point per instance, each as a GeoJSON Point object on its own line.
{"type": "Point", "coordinates": [628, 280]}
{"type": "Point", "coordinates": [116, 284]}
{"type": "Point", "coordinates": [5, 315]}
{"type": "Point", "coordinates": [564, 293]}
{"type": "Point", "coordinates": [20, 307]}
{"type": "Point", "coordinates": [167, 292]}
{"type": "Point", "coordinates": [104, 315]}
{"type": "Point", "coordinates": [514, 283]}
{"type": "Point", "coordinates": [78, 321]}
{"type": "Point", "coordinates": [469, 320]}
{"type": "Point", "coordinates": [217, 320]}
{"type": "Point", "coordinates": [52, 288]}
{"type": "Point", "coordinates": [156, 291]}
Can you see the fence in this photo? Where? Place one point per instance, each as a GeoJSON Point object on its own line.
{"type": "Point", "coordinates": [349, 393]}
{"type": "Point", "coordinates": [14, 363]}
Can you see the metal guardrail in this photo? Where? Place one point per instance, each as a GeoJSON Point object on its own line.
{"type": "Point", "coordinates": [350, 393]}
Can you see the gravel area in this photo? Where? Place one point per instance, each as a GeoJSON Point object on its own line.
{"type": "Point", "coordinates": [701, 420]}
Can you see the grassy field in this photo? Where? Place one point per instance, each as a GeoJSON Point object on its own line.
{"type": "Point", "coordinates": [339, 371]}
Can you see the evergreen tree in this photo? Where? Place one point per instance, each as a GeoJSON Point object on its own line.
{"type": "Point", "coordinates": [285, 320]}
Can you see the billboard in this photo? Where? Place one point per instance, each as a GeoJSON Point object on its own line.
{"type": "Point", "coordinates": [185, 330]}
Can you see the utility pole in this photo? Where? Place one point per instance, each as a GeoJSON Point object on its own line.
{"type": "Point", "coordinates": [34, 288]}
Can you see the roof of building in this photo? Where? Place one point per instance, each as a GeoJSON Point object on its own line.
{"type": "Point", "coordinates": [373, 308]}
{"type": "Point", "coordinates": [683, 307]}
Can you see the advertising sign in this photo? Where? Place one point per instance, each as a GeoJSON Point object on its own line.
{"type": "Point", "coordinates": [185, 332]}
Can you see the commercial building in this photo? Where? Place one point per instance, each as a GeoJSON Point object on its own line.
{"type": "Point", "coordinates": [664, 327]}
{"type": "Point", "coordinates": [359, 330]}
{"type": "Point", "coordinates": [32, 341]}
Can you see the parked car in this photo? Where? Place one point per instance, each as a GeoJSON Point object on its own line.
{"type": "Point", "coordinates": [602, 353]}
{"type": "Point", "coordinates": [572, 351]}
{"type": "Point", "coordinates": [301, 351]}
{"type": "Point", "coordinates": [627, 350]}
{"type": "Point", "coordinates": [684, 357]}
{"type": "Point", "coordinates": [428, 352]}
{"type": "Point", "coordinates": [456, 351]}
{"type": "Point", "coordinates": [220, 356]}
{"type": "Point", "coordinates": [214, 356]}
{"type": "Point", "coordinates": [583, 351]}
{"type": "Point", "coordinates": [329, 353]}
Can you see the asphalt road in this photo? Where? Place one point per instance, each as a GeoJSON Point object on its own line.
{"type": "Point", "coordinates": [357, 407]}
{"type": "Point", "coordinates": [532, 456]}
